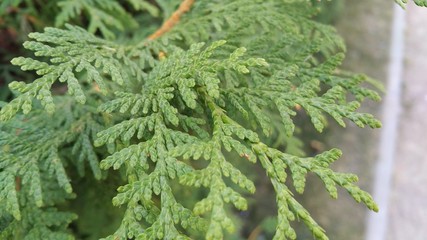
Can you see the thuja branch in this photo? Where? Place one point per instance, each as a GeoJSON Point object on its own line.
{"type": "Point", "coordinates": [158, 116]}
{"type": "Point", "coordinates": [173, 20]}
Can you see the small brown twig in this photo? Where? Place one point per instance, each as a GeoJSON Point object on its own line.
{"type": "Point", "coordinates": [173, 19]}
{"type": "Point", "coordinates": [255, 233]}
{"type": "Point", "coordinates": [17, 184]}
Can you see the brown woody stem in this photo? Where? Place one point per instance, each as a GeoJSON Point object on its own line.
{"type": "Point", "coordinates": [173, 19]}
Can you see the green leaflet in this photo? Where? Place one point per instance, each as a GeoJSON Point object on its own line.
{"type": "Point", "coordinates": [402, 3]}
{"type": "Point", "coordinates": [33, 166]}
{"type": "Point", "coordinates": [103, 15]}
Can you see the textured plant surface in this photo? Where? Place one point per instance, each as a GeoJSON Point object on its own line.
{"type": "Point", "coordinates": [175, 114]}
{"type": "Point", "coordinates": [422, 3]}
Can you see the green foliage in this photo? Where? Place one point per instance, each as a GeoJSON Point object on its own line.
{"type": "Point", "coordinates": [103, 15]}
{"type": "Point", "coordinates": [181, 113]}
{"type": "Point", "coordinates": [9, 3]}
{"type": "Point", "coordinates": [402, 3]}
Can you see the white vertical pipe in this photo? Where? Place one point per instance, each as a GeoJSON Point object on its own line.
{"type": "Point", "coordinates": [377, 223]}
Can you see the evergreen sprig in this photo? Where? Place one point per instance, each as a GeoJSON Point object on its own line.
{"type": "Point", "coordinates": [33, 168]}
{"type": "Point", "coordinates": [103, 15]}
{"type": "Point", "coordinates": [184, 108]}
{"type": "Point", "coordinates": [70, 52]}
{"type": "Point", "coordinates": [402, 3]}
{"type": "Point", "coordinates": [193, 64]}
{"type": "Point", "coordinates": [33, 181]}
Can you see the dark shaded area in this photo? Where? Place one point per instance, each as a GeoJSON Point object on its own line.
{"type": "Point", "coordinates": [97, 215]}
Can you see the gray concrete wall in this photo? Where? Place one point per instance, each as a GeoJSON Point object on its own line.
{"type": "Point", "coordinates": [408, 198]}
